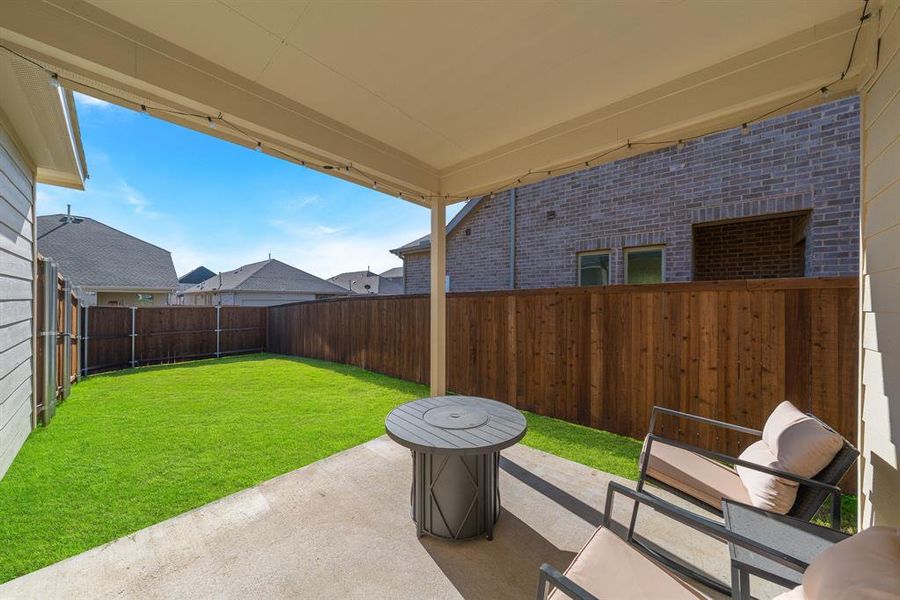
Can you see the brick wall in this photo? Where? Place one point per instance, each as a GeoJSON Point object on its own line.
{"type": "Point", "coordinates": [756, 249]}
{"type": "Point", "coordinates": [804, 161]}
{"type": "Point", "coordinates": [416, 276]}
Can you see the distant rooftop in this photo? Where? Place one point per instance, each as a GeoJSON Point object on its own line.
{"type": "Point", "coordinates": [367, 282]}
{"type": "Point", "coordinates": [424, 243]}
{"type": "Point", "coordinates": [198, 275]}
{"type": "Point", "coordinates": [266, 276]}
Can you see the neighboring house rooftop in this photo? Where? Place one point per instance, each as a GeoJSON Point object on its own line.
{"type": "Point", "coordinates": [266, 276]}
{"type": "Point", "coordinates": [198, 275]}
{"type": "Point", "coordinates": [92, 254]}
{"type": "Point", "coordinates": [367, 282]}
{"type": "Point", "coordinates": [424, 242]}
{"type": "Point", "coordinates": [359, 282]}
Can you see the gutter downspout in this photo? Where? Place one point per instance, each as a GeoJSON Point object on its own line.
{"type": "Point", "coordinates": [512, 239]}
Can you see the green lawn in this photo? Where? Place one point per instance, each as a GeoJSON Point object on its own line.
{"type": "Point", "coordinates": [600, 450]}
{"type": "Point", "coordinates": [133, 448]}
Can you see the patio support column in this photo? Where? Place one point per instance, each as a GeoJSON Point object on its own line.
{"type": "Point", "coordinates": [438, 299]}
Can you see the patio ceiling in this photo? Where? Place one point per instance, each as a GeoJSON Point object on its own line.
{"type": "Point", "coordinates": [448, 99]}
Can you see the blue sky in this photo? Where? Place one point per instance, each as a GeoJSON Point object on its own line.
{"type": "Point", "coordinates": [221, 205]}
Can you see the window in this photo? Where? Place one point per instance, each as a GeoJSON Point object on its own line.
{"type": "Point", "coordinates": [644, 265]}
{"type": "Point", "coordinates": [593, 268]}
{"type": "Point", "coordinates": [145, 298]}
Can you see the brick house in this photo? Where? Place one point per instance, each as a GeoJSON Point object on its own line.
{"type": "Point", "coordinates": [780, 199]}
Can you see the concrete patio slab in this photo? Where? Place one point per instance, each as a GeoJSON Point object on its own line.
{"type": "Point", "coordinates": [341, 528]}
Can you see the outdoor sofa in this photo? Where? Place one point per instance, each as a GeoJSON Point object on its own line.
{"type": "Point", "coordinates": [792, 469]}
{"type": "Point", "coordinates": [815, 563]}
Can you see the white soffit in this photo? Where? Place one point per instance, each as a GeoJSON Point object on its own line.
{"type": "Point", "coordinates": [42, 120]}
{"type": "Point", "coordinates": [452, 97]}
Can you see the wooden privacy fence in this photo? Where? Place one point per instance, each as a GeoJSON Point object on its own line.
{"type": "Point", "coordinates": [603, 356]}
{"type": "Point", "coordinates": [119, 337]}
{"type": "Point", "coordinates": [57, 327]}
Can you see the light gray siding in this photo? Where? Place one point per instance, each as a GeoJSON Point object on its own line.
{"type": "Point", "coordinates": [16, 300]}
{"type": "Point", "coordinates": [880, 361]}
{"type": "Point", "coordinates": [249, 298]}
{"type": "Point", "coordinates": [269, 298]}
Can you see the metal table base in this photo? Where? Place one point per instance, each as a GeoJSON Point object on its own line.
{"type": "Point", "coordinates": [456, 495]}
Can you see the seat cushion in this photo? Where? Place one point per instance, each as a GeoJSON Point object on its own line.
{"type": "Point", "coordinates": [768, 492]}
{"type": "Point", "coordinates": [702, 478]}
{"type": "Point", "coordinates": [610, 568]}
{"type": "Point", "coordinates": [865, 566]}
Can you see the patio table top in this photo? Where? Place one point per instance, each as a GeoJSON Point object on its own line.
{"type": "Point", "coordinates": [455, 425]}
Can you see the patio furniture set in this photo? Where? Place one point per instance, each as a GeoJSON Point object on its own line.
{"type": "Point", "coordinates": [762, 503]}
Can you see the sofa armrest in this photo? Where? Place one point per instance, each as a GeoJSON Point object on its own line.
{"type": "Point", "coordinates": [701, 524]}
{"type": "Point", "coordinates": [801, 539]}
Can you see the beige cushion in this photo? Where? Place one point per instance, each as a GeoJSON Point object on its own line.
{"type": "Point", "coordinates": [792, 442]}
{"type": "Point", "coordinates": [802, 444]}
{"type": "Point", "coordinates": [865, 566]}
{"type": "Point", "coordinates": [609, 568]}
{"type": "Point", "coordinates": [794, 594]}
{"type": "Point", "coordinates": [702, 478]}
{"type": "Point", "coordinates": [768, 492]}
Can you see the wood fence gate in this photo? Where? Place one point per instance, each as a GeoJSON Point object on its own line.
{"type": "Point", "coordinates": [57, 360]}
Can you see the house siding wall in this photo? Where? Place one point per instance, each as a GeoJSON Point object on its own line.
{"type": "Point", "coordinates": [248, 298]}
{"type": "Point", "coordinates": [880, 354]}
{"type": "Point", "coordinates": [17, 258]}
{"type": "Point", "coordinates": [269, 299]}
{"type": "Point", "coordinates": [128, 298]}
{"type": "Point", "coordinates": [807, 160]}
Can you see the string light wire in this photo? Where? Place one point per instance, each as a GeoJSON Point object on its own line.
{"type": "Point", "coordinates": [372, 182]}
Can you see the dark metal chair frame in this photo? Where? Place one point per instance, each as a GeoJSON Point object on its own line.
{"type": "Point", "coordinates": [550, 577]}
{"type": "Point", "coordinates": [812, 493]}
{"type": "Point", "coordinates": [778, 531]}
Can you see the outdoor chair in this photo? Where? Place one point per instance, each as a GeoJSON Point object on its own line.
{"type": "Point", "coordinates": [813, 562]}
{"type": "Point", "coordinates": [762, 476]}
{"type": "Point", "coordinates": [608, 566]}
{"type": "Point", "coordinates": [818, 457]}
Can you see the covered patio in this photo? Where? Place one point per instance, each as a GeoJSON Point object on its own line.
{"type": "Point", "coordinates": [435, 104]}
{"type": "Point", "coordinates": [341, 528]}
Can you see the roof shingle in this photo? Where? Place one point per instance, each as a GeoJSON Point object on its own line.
{"type": "Point", "coordinates": [91, 254]}
{"type": "Point", "coordinates": [266, 276]}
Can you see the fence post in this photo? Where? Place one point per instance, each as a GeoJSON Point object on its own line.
{"type": "Point", "coordinates": [133, 334]}
{"type": "Point", "coordinates": [84, 339]}
{"type": "Point", "coordinates": [67, 341]}
{"type": "Point", "coordinates": [79, 341]}
{"type": "Point", "coordinates": [218, 329]}
{"type": "Point", "coordinates": [49, 340]}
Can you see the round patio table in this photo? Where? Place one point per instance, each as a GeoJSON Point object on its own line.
{"type": "Point", "coordinates": [455, 443]}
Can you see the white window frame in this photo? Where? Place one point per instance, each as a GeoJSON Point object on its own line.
{"type": "Point", "coordinates": [662, 258]}
{"type": "Point", "coordinates": [608, 255]}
